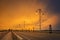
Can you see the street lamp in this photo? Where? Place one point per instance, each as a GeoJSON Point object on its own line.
{"type": "Point", "coordinates": [24, 25]}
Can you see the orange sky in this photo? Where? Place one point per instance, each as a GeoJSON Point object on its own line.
{"type": "Point", "coordinates": [14, 13]}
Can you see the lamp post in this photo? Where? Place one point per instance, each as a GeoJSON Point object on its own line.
{"type": "Point", "coordinates": [24, 25]}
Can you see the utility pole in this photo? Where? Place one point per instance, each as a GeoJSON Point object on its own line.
{"type": "Point", "coordinates": [24, 25]}
{"type": "Point", "coordinates": [39, 12]}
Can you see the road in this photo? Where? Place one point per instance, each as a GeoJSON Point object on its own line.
{"type": "Point", "coordinates": [17, 35]}
{"type": "Point", "coordinates": [39, 36]}
{"type": "Point", "coordinates": [2, 34]}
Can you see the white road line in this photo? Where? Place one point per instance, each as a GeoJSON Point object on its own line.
{"type": "Point", "coordinates": [18, 36]}
{"type": "Point", "coordinates": [26, 37]}
{"type": "Point", "coordinates": [22, 36]}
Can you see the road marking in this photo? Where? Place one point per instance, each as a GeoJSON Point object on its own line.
{"type": "Point", "coordinates": [18, 36]}
{"type": "Point", "coordinates": [22, 36]}
{"type": "Point", "coordinates": [25, 37]}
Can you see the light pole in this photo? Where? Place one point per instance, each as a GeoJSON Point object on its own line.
{"type": "Point", "coordinates": [24, 25]}
{"type": "Point", "coordinates": [39, 12]}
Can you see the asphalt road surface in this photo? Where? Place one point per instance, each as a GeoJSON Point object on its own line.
{"type": "Point", "coordinates": [17, 35]}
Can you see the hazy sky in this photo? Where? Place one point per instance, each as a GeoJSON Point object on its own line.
{"type": "Point", "coordinates": [14, 12]}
